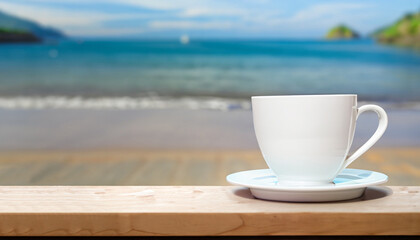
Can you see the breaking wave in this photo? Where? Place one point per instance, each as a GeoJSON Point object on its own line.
{"type": "Point", "coordinates": [60, 102]}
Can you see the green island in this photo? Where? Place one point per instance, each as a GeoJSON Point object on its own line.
{"type": "Point", "coordinates": [404, 32]}
{"type": "Point", "coordinates": [342, 32]}
{"type": "Point", "coordinates": [17, 35]}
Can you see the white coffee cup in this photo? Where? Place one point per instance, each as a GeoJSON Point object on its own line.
{"type": "Point", "coordinates": [305, 139]}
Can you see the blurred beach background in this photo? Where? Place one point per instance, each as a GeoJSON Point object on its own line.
{"type": "Point", "coordinates": [158, 92]}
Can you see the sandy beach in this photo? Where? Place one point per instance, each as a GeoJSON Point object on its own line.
{"type": "Point", "coordinates": [82, 129]}
{"type": "Point", "coordinates": [172, 167]}
{"type": "Point", "coordinates": [168, 147]}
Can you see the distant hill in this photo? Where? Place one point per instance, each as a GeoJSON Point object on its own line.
{"type": "Point", "coordinates": [342, 32]}
{"type": "Point", "coordinates": [405, 32]}
{"type": "Point", "coordinates": [9, 23]}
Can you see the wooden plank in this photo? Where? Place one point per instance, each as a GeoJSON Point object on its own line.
{"type": "Point", "coordinates": [199, 211]}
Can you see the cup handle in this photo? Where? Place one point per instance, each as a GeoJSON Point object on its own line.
{"type": "Point", "coordinates": [383, 123]}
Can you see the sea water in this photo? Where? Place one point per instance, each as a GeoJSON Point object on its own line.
{"type": "Point", "coordinates": [215, 74]}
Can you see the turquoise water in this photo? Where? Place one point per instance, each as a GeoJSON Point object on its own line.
{"type": "Point", "coordinates": [233, 69]}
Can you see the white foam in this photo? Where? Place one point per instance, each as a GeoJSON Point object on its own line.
{"type": "Point", "coordinates": [60, 102]}
{"type": "Point", "coordinates": [151, 102]}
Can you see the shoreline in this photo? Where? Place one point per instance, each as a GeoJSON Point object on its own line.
{"type": "Point", "coordinates": [154, 101]}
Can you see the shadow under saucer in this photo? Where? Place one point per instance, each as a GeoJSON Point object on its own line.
{"type": "Point", "coordinates": [370, 193]}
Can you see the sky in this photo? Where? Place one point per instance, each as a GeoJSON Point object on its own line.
{"type": "Point", "coordinates": [209, 18]}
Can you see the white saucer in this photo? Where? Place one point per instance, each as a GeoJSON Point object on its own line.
{"type": "Point", "coordinates": [349, 184]}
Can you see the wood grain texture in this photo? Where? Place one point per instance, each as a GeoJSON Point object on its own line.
{"type": "Point", "coordinates": [199, 211]}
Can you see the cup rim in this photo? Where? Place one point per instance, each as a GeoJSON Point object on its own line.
{"type": "Point", "coordinates": [311, 95]}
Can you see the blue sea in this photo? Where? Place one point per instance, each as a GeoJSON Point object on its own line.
{"type": "Point", "coordinates": [201, 74]}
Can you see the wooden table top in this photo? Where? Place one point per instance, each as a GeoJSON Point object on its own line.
{"type": "Point", "coordinates": [199, 211]}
